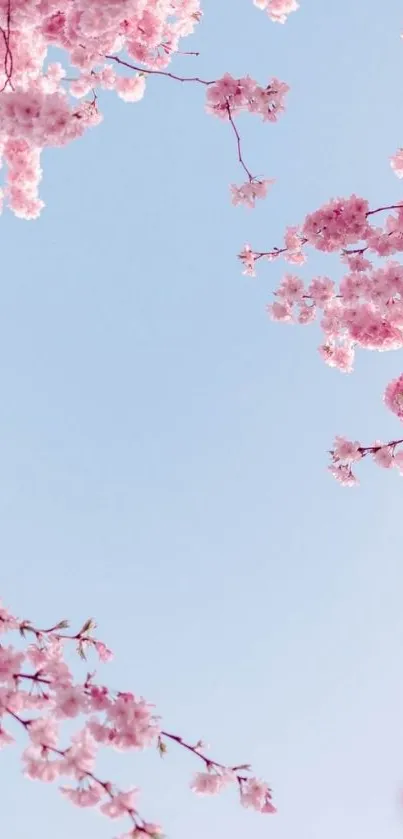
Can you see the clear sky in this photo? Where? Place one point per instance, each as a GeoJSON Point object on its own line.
{"type": "Point", "coordinates": [163, 445]}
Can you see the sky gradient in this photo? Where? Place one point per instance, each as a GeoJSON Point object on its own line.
{"type": "Point", "coordinates": [163, 444]}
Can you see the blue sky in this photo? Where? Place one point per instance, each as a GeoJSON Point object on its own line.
{"type": "Point", "coordinates": [163, 445]}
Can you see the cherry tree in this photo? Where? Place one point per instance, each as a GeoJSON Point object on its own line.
{"type": "Point", "coordinates": [122, 46]}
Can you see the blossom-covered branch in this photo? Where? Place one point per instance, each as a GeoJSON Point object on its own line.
{"type": "Point", "coordinates": [364, 310]}
{"type": "Point", "coordinates": [38, 693]}
{"type": "Point", "coordinates": [37, 109]}
{"type": "Point", "coordinates": [346, 453]}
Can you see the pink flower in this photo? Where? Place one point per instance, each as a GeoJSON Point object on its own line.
{"type": "Point", "coordinates": [211, 783]}
{"type": "Point", "coordinates": [82, 86]}
{"type": "Point", "coordinates": [344, 449]}
{"type": "Point", "coordinates": [70, 701]}
{"type": "Point", "coordinates": [135, 726]}
{"type": "Point", "coordinates": [131, 88]}
{"type": "Point", "coordinates": [332, 321]}
{"type": "Point", "coordinates": [101, 733]}
{"type": "Point", "coordinates": [249, 192]}
{"type": "Point", "coordinates": [393, 396]}
{"type": "Point", "coordinates": [356, 262]}
{"type": "Point", "coordinates": [353, 286]}
{"type": "Point", "coordinates": [278, 10]}
{"type": "Point", "coordinates": [228, 96]}
{"type": "Point", "coordinates": [11, 699]}
{"type": "Point", "coordinates": [291, 289]}
{"type": "Point", "coordinates": [247, 258]}
{"type": "Point", "coordinates": [49, 660]}
{"type": "Point", "coordinates": [383, 455]}
{"type": "Point", "coordinates": [341, 357]}
{"type": "Point", "coordinates": [339, 223]}
{"type": "Point", "coordinates": [105, 654]}
{"type": "Point", "coordinates": [121, 804]}
{"type": "Point", "coordinates": [84, 797]}
{"type": "Point", "coordinates": [293, 241]}
{"type": "Point", "coordinates": [343, 474]}
{"type": "Point", "coordinates": [36, 701]}
{"type": "Point", "coordinates": [307, 314]}
{"type": "Point", "coordinates": [79, 759]}
{"type": "Point", "coordinates": [43, 732]}
{"type": "Point", "coordinates": [293, 238]}
{"type": "Point", "coordinates": [39, 768]}
{"type": "Point", "coordinates": [280, 311]}
{"type": "Point", "coordinates": [321, 290]}
{"type": "Point", "coordinates": [398, 461]}
{"type": "Point", "coordinates": [99, 698]}
{"type": "Point", "coordinates": [396, 163]}
{"type": "Point", "coordinates": [257, 794]}
{"type": "Point", "coordinates": [38, 656]}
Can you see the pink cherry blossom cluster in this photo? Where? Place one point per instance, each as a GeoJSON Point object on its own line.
{"type": "Point", "coordinates": [364, 310]}
{"type": "Point", "coordinates": [345, 453]}
{"type": "Point", "coordinates": [38, 694]}
{"type": "Point", "coordinates": [248, 192]}
{"type": "Point", "coordinates": [226, 98]}
{"type": "Point", "coordinates": [37, 108]}
{"type": "Point", "coordinates": [278, 10]}
{"type": "Point", "coordinates": [396, 163]}
{"type": "Point", "coordinates": [236, 95]}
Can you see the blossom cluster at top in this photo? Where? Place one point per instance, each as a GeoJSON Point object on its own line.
{"type": "Point", "coordinates": [38, 694]}
{"type": "Point", "coordinates": [37, 107]}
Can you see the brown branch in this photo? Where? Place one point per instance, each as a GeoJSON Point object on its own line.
{"type": "Point", "coordinates": [147, 72]}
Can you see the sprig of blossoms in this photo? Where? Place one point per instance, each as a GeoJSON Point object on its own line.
{"type": "Point", "coordinates": [346, 453]}
{"type": "Point", "coordinates": [38, 693]}
{"type": "Point", "coordinates": [365, 309]}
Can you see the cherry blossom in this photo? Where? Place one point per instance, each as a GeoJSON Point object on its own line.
{"type": "Point", "coordinates": [209, 783]}
{"type": "Point", "coordinates": [256, 794]}
{"type": "Point", "coordinates": [101, 40]}
{"type": "Point", "coordinates": [249, 192]}
{"type": "Point", "coordinates": [386, 455]}
{"type": "Point", "coordinates": [396, 163]}
{"type": "Point", "coordinates": [346, 450]}
{"type": "Point", "coordinates": [39, 693]}
{"type": "Point", "coordinates": [394, 396]}
{"type": "Point", "coordinates": [278, 10]}
{"type": "Point", "coordinates": [365, 309]}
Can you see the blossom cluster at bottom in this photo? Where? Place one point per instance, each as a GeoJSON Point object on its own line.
{"type": "Point", "coordinates": [345, 452]}
{"type": "Point", "coordinates": [38, 694]}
